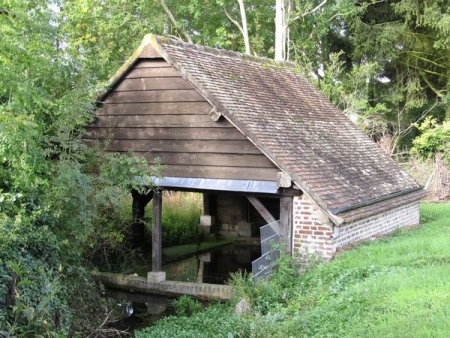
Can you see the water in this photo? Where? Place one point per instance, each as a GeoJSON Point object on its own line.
{"type": "Point", "coordinates": [130, 310]}
{"type": "Point", "coordinates": [214, 266]}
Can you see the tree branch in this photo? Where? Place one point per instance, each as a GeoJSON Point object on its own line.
{"type": "Point", "coordinates": [175, 23]}
{"type": "Point", "coordinates": [315, 9]}
{"type": "Point", "coordinates": [237, 24]}
{"type": "Point", "coordinates": [401, 133]}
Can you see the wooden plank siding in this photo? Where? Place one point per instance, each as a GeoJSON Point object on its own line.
{"type": "Point", "coordinates": [170, 108]}
{"type": "Point", "coordinates": [154, 112]}
{"type": "Point", "coordinates": [186, 146]}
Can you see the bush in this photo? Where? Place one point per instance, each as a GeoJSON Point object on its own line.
{"type": "Point", "coordinates": [435, 138]}
{"type": "Point", "coordinates": [217, 320]}
{"type": "Point", "coordinates": [186, 306]}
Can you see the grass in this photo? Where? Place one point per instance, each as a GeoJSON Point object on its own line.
{"type": "Point", "coordinates": [398, 286]}
{"type": "Point", "coordinates": [180, 217]}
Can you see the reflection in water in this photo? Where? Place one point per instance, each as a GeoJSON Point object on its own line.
{"type": "Point", "coordinates": [130, 310]}
{"type": "Point", "coordinates": [215, 266]}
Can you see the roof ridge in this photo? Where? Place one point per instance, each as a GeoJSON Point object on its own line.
{"type": "Point", "coordinates": [224, 52]}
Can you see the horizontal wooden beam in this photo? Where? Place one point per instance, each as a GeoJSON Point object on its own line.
{"type": "Point", "coordinates": [176, 146]}
{"type": "Point", "coordinates": [155, 121]}
{"type": "Point", "coordinates": [257, 161]}
{"type": "Point", "coordinates": [154, 96]}
{"type": "Point", "coordinates": [149, 83]}
{"type": "Point", "coordinates": [155, 108]}
{"type": "Point", "coordinates": [242, 173]}
{"type": "Point", "coordinates": [164, 133]}
{"type": "Point", "coordinates": [152, 72]}
{"type": "Point", "coordinates": [153, 63]}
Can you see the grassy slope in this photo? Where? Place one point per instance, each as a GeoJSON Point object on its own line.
{"type": "Point", "coordinates": [395, 287]}
{"type": "Point", "coordinates": [398, 286]}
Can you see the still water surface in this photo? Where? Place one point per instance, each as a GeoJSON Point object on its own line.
{"type": "Point", "coordinates": [132, 310]}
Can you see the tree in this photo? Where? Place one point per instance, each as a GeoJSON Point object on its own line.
{"type": "Point", "coordinates": [53, 190]}
{"type": "Point", "coordinates": [242, 28]}
{"type": "Point", "coordinates": [282, 13]}
{"type": "Point", "coordinates": [383, 63]}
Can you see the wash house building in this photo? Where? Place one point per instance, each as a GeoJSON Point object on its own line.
{"type": "Point", "coordinates": [260, 142]}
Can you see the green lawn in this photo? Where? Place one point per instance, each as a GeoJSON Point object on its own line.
{"type": "Point", "coordinates": [398, 286]}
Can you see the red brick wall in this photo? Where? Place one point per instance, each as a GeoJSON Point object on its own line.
{"type": "Point", "coordinates": [313, 229]}
{"type": "Point", "coordinates": [380, 224]}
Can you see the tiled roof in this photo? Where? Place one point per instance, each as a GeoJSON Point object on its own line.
{"type": "Point", "coordinates": [296, 126]}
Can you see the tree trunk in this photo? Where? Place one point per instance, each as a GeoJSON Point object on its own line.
{"type": "Point", "coordinates": [244, 26]}
{"type": "Point", "coordinates": [283, 8]}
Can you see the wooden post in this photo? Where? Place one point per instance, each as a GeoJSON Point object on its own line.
{"type": "Point", "coordinates": [206, 204]}
{"type": "Point", "coordinates": [156, 232]}
{"type": "Point", "coordinates": [138, 208]}
{"type": "Point", "coordinates": [286, 204]}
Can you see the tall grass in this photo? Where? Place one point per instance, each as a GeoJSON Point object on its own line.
{"type": "Point", "coordinates": [181, 213]}
{"type": "Point", "coordinates": [398, 286]}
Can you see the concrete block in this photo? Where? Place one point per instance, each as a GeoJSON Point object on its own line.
{"type": "Point", "coordinates": [156, 277]}
{"type": "Point", "coordinates": [206, 220]}
{"type": "Point", "coordinates": [206, 257]}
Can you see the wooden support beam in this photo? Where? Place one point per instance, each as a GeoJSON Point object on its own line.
{"type": "Point", "coordinates": [286, 204]}
{"type": "Point", "coordinates": [138, 209]}
{"type": "Point", "coordinates": [157, 232]}
{"type": "Point", "coordinates": [206, 204]}
{"type": "Point", "coordinates": [261, 209]}
{"type": "Point", "coordinates": [244, 210]}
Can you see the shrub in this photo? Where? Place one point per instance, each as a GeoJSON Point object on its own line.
{"type": "Point", "coordinates": [217, 320]}
{"type": "Point", "coordinates": [186, 306]}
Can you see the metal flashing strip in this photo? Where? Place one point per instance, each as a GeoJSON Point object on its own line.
{"type": "Point", "coordinates": [252, 186]}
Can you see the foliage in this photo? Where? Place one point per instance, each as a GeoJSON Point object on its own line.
{"type": "Point", "coordinates": [377, 289]}
{"type": "Point", "coordinates": [186, 306]}
{"type": "Point", "coordinates": [180, 218]}
{"type": "Point", "coordinates": [53, 190]}
{"type": "Point", "coordinates": [435, 138]}
{"type": "Point", "coordinates": [384, 63]}
{"type": "Point", "coordinates": [216, 321]}
{"type": "Point", "coordinates": [93, 29]}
